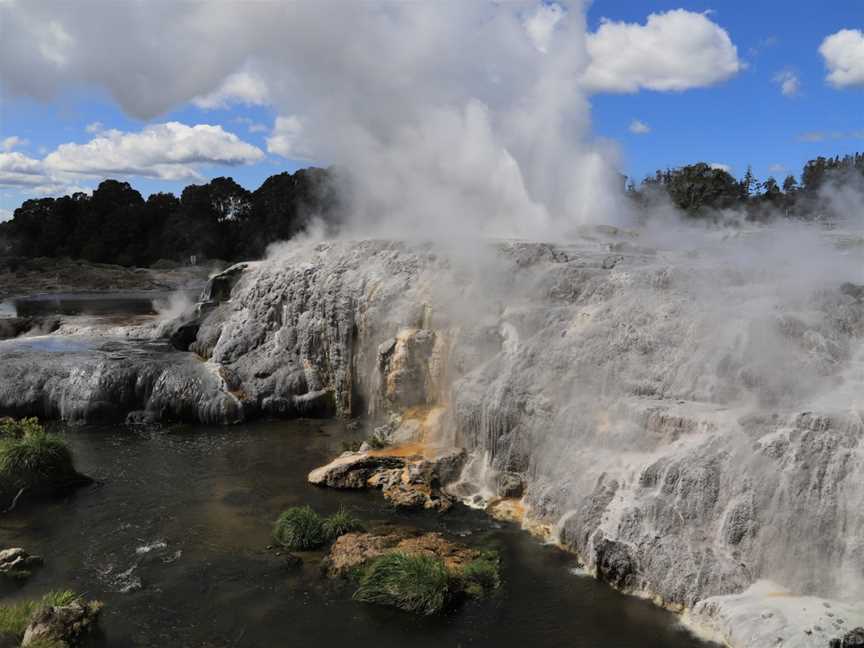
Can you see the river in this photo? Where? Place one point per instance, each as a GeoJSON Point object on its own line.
{"type": "Point", "coordinates": [174, 541]}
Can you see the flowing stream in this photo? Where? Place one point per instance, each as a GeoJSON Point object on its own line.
{"type": "Point", "coordinates": [174, 541]}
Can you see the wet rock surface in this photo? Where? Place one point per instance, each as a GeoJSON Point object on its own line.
{"type": "Point", "coordinates": [411, 481]}
{"type": "Point", "coordinates": [17, 564]}
{"type": "Point", "coordinates": [102, 380]}
{"type": "Point", "coordinates": [354, 550]}
{"type": "Point", "coordinates": [354, 470]}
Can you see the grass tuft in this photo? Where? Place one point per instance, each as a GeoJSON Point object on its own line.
{"type": "Point", "coordinates": [340, 523]}
{"type": "Point", "coordinates": [15, 617]}
{"type": "Point", "coordinates": [299, 528]}
{"type": "Point", "coordinates": [31, 458]}
{"type": "Point", "coordinates": [414, 583]}
{"type": "Point", "coordinates": [481, 575]}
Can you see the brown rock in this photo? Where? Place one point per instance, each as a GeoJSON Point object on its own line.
{"type": "Point", "coordinates": [353, 550]}
{"type": "Point", "coordinates": [65, 625]}
{"type": "Point", "coordinates": [353, 470]}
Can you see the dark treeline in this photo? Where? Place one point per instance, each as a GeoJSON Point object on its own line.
{"type": "Point", "coordinates": [222, 220]}
{"type": "Point", "coordinates": [701, 190]}
{"type": "Point", "coordinates": [217, 220]}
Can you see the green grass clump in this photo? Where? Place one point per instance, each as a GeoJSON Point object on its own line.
{"type": "Point", "coordinates": [414, 583]}
{"type": "Point", "coordinates": [340, 523]}
{"type": "Point", "coordinates": [31, 458]}
{"type": "Point", "coordinates": [351, 446]}
{"type": "Point", "coordinates": [15, 617]}
{"type": "Point", "coordinates": [481, 575]}
{"type": "Point", "coordinates": [299, 528]}
{"type": "Point", "coordinates": [10, 428]}
{"type": "Point", "coordinates": [377, 442]}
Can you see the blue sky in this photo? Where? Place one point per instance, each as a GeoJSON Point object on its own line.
{"type": "Point", "coordinates": [744, 119]}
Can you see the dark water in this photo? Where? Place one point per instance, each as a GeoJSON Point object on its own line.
{"type": "Point", "coordinates": [182, 522]}
{"type": "Point", "coordinates": [96, 303]}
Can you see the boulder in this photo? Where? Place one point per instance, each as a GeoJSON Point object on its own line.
{"type": "Point", "coordinates": [417, 495]}
{"type": "Point", "coordinates": [406, 482]}
{"type": "Point", "coordinates": [64, 625]}
{"type": "Point", "coordinates": [353, 470]}
{"type": "Point", "coordinates": [17, 563]}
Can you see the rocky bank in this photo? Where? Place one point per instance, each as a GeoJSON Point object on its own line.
{"type": "Point", "coordinates": [681, 417]}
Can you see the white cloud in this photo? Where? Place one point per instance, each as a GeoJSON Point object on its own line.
{"type": "Point", "coordinates": [240, 88]}
{"type": "Point", "coordinates": [638, 127]}
{"type": "Point", "coordinates": [541, 24]}
{"type": "Point", "coordinates": [5, 215]}
{"type": "Point", "coordinates": [170, 151]}
{"type": "Point", "coordinates": [30, 177]}
{"type": "Point", "coordinates": [844, 57]}
{"type": "Point", "coordinates": [790, 84]}
{"type": "Point", "coordinates": [720, 166]}
{"type": "Point", "coordinates": [777, 169]}
{"type": "Point", "coordinates": [12, 142]}
{"type": "Point", "coordinates": [672, 51]}
{"type": "Point", "coordinates": [95, 127]}
{"type": "Point", "coordinates": [16, 170]}
{"type": "Point", "coordinates": [287, 138]}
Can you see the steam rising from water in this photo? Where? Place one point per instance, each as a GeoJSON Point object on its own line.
{"type": "Point", "coordinates": [474, 125]}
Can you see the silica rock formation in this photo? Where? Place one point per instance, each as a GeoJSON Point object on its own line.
{"type": "Point", "coordinates": [682, 414]}
{"type": "Point", "coordinates": [101, 380]}
{"type": "Point", "coordinates": [685, 421]}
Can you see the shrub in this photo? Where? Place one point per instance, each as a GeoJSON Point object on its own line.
{"type": "Point", "coordinates": [481, 575]}
{"type": "Point", "coordinates": [15, 617]}
{"type": "Point", "coordinates": [351, 446]}
{"type": "Point", "coordinates": [378, 442]}
{"type": "Point", "coordinates": [299, 528]}
{"type": "Point", "coordinates": [10, 428]}
{"type": "Point", "coordinates": [31, 459]}
{"type": "Point", "coordinates": [414, 583]}
{"type": "Point", "coordinates": [340, 523]}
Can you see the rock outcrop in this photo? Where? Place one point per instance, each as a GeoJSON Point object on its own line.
{"type": "Point", "coordinates": [406, 481]}
{"type": "Point", "coordinates": [98, 380]}
{"type": "Point", "coordinates": [17, 564]}
{"type": "Point", "coordinates": [63, 625]}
